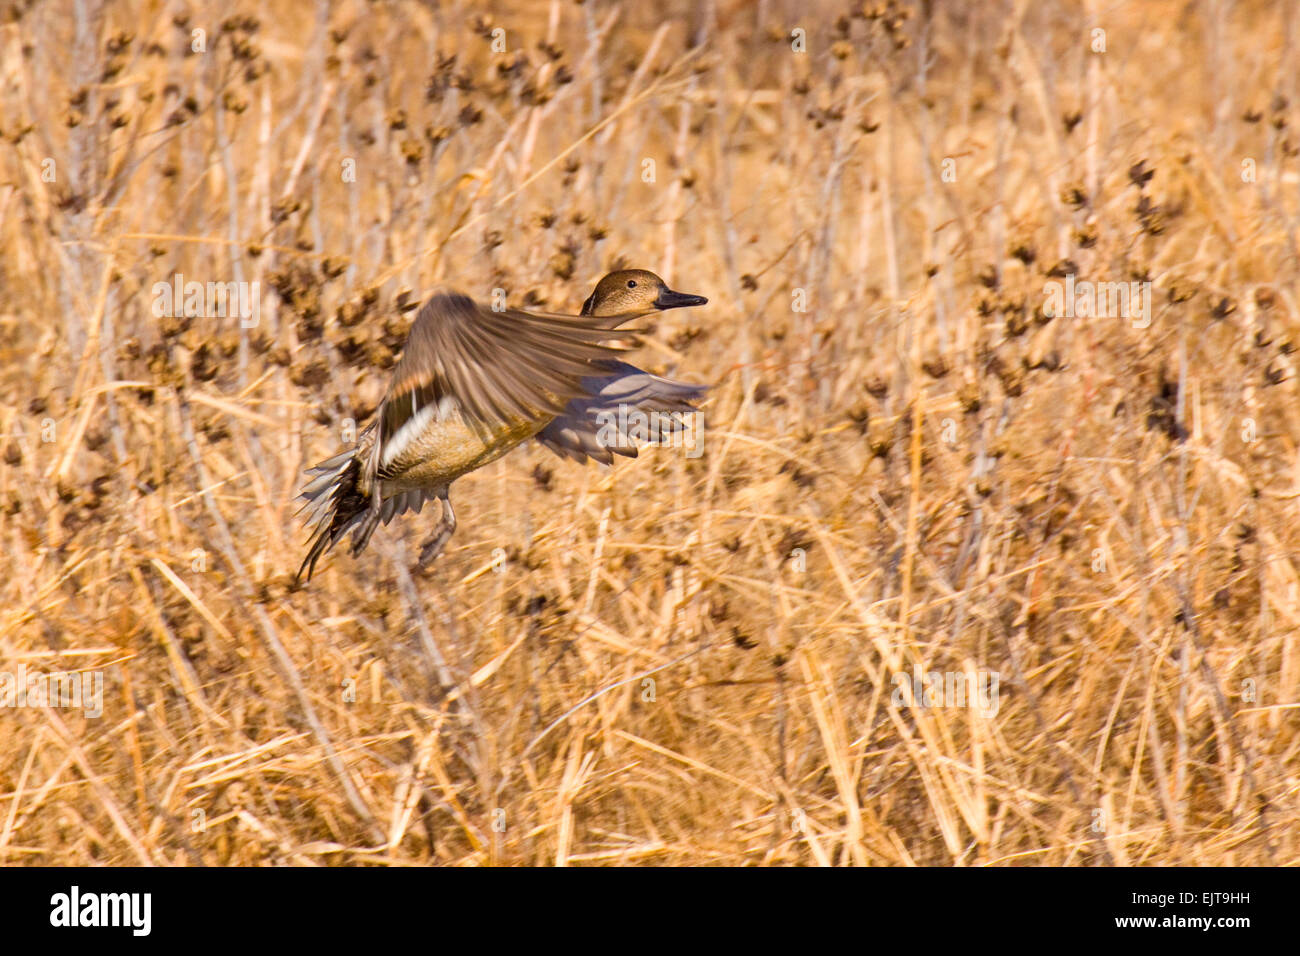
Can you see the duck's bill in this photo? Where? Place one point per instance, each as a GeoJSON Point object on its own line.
{"type": "Point", "coordinates": [668, 299]}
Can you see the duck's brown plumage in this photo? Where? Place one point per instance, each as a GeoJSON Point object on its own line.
{"type": "Point", "coordinates": [472, 383]}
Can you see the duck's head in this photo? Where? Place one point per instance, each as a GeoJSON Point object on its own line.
{"type": "Point", "coordinates": [635, 292]}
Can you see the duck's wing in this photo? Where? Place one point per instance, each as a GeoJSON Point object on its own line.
{"type": "Point", "coordinates": [621, 407]}
{"type": "Point", "coordinates": [494, 368]}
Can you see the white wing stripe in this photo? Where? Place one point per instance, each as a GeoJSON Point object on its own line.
{"type": "Point", "coordinates": [418, 422]}
{"type": "Point", "coordinates": [400, 439]}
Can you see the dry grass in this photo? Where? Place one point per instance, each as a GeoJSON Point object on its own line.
{"type": "Point", "coordinates": [679, 660]}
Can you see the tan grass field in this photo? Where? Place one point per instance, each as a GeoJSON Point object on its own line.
{"type": "Point", "coordinates": [912, 463]}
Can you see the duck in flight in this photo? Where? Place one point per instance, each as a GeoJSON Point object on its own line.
{"type": "Point", "coordinates": [472, 383]}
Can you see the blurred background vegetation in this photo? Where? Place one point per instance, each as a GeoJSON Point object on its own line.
{"type": "Point", "coordinates": [910, 466]}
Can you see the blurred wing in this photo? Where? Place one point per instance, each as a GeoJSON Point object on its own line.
{"type": "Point", "coordinates": [594, 425]}
{"type": "Point", "coordinates": [495, 368]}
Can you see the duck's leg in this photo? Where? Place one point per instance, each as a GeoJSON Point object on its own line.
{"type": "Point", "coordinates": [442, 533]}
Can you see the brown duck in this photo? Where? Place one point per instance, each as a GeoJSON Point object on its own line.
{"type": "Point", "coordinates": [472, 383]}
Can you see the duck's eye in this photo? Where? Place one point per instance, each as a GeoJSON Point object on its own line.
{"type": "Point", "coordinates": [631, 283]}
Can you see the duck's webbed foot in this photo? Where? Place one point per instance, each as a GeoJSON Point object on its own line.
{"type": "Point", "coordinates": [442, 533]}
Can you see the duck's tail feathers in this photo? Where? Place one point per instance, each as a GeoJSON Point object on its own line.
{"type": "Point", "coordinates": [337, 505]}
{"type": "Point", "coordinates": [624, 407]}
